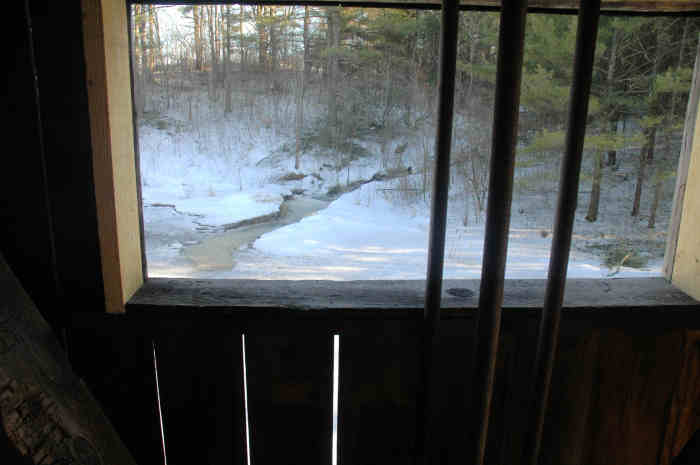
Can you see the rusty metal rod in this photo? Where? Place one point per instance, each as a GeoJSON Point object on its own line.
{"type": "Point", "coordinates": [438, 225]}
{"type": "Point", "coordinates": [503, 140]}
{"type": "Point", "coordinates": [548, 332]}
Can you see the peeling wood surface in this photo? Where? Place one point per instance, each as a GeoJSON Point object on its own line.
{"type": "Point", "coordinates": [46, 411]}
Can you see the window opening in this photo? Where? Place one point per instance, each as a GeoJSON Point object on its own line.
{"type": "Point", "coordinates": [286, 142]}
{"type": "Point", "coordinates": [639, 98]}
{"type": "Point", "coordinates": [297, 142]}
{"type": "Point", "coordinates": [640, 91]}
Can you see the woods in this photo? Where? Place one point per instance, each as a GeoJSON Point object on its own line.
{"type": "Point", "coordinates": [343, 88]}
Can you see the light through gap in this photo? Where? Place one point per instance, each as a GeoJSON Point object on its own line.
{"type": "Point", "coordinates": [336, 387]}
{"type": "Point", "coordinates": [160, 410]}
{"type": "Point", "coordinates": [245, 402]}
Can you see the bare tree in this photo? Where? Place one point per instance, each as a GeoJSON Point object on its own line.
{"type": "Point", "coordinates": [303, 76]}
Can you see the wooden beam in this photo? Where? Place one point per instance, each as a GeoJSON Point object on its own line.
{"type": "Point", "coordinates": [683, 165]}
{"type": "Point", "coordinates": [612, 6]}
{"type": "Point", "coordinates": [105, 38]}
{"type": "Point", "coordinates": [686, 267]}
{"type": "Point", "coordinates": [548, 335]}
{"type": "Point", "coordinates": [46, 412]}
{"type": "Point", "coordinates": [511, 43]}
{"type": "Point", "coordinates": [438, 225]}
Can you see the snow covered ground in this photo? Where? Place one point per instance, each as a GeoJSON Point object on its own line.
{"type": "Point", "coordinates": [363, 236]}
{"type": "Point", "coordinates": [359, 239]}
{"type": "Point", "coordinates": [196, 180]}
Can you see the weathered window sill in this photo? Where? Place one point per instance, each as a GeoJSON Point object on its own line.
{"type": "Point", "coordinates": [629, 299]}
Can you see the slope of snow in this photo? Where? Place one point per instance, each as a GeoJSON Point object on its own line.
{"type": "Point", "coordinates": [359, 238]}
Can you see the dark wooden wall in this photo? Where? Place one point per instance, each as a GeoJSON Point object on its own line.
{"type": "Point", "coordinates": [620, 395]}
{"type": "Point", "coordinates": [47, 207]}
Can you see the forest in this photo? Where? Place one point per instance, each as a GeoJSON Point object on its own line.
{"type": "Point", "coordinates": [249, 105]}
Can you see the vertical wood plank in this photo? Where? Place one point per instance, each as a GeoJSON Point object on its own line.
{"type": "Point", "coordinates": [117, 367]}
{"type": "Point", "coordinates": [289, 396]}
{"type": "Point", "coordinates": [567, 424]}
{"type": "Point", "coordinates": [453, 391]}
{"type": "Point", "coordinates": [684, 414]}
{"type": "Point", "coordinates": [26, 236]}
{"type": "Point", "coordinates": [509, 406]}
{"type": "Point", "coordinates": [682, 173]}
{"type": "Point", "coordinates": [65, 133]}
{"type": "Point", "coordinates": [201, 389]}
{"type": "Point", "coordinates": [379, 369]}
{"type": "Point", "coordinates": [105, 39]}
{"type": "Point", "coordinates": [632, 389]}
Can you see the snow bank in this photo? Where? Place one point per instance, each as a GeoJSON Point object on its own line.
{"type": "Point", "coordinates": [359, 236]}
{"type": "Point", "coordinates": [363, 236]}
{"type": "Point", "coordinates": [230, 208]}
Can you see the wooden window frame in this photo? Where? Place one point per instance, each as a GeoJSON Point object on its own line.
{"type": "Point", "coordinates": [106, 41]}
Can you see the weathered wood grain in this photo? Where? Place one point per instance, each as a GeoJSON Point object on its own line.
{"type": "Point", "coordinates": [46, 411]}
{"type": "Point", "coordinates": [200, 376]}
{"type": "Point", "coordinates": [570, 406]}
{"type": "Point", "coordinates": [114, 168]}
{"type": "Point", "coordinates": [299, 296]}
{"type": "Point", "coordinates": [684, 411]}
{"type": "Point", "coordinates": [682, 172]}
{"type": "Point", "coordinates": [289, 397]}
{"type": "Point", "coordinates": [380, 375]}
{"type": "Point", "coordinates": [117, 367]}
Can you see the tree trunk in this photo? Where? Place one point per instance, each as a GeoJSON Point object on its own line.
{"type": "Point", "coordinates": [610, 81]}
{"type": "Point", "coordinates": [592, 214]}
{"type": "Point", "coordinates": [262, 37]}
{"type": "Point", "coordinates": [332, 74]}
{"type": "Point", "coordinates": [153, 40]}
{"type": "Point", "coordinates": [612, 154]}
{"type": "Point", "coordinates": [241, 38]}
{"type": "Point", "coordinates": [658, 186]}
{"type": "Point", "coordinates": [646, 155]}
{"type": "Point", "coordinates": [198, 45]}
{"type": "Point", "coordinates": [139, 63]}
{"type": "Point", "coordinates": [274, 40]}
{"type": "Point", "coordinates": [669, 120]}
{"type": "Point", "coordinates": [307, 44]}
{"type": "Point", "coordinates": [211, 16]}
{"type": "Point", "coordinates": [228, 106]}
{"type": "Point", "coordinates": [302, 91]}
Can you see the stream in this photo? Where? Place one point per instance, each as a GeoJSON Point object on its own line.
{"type": "Point", "coordinates": [217, 251]}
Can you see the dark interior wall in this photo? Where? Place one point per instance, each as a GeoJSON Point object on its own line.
{"type": "Point", "coordinates": [48, 213]}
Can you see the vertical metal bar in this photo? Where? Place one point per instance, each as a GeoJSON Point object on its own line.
{"type": "Point", "coordinates": [505, 129]}
{"type": "Point", "coordinates": [438, 223]}
{"type": "Point", "coordinates": [548, 332]}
